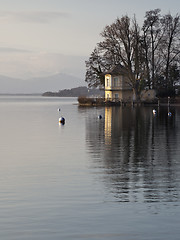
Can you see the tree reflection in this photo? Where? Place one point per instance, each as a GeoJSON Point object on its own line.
{"type": "Point", "coordinates": [138, 152]}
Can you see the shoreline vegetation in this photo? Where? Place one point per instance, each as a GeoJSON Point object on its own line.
{"type": "Point", "coordinates": [95, 97]}
{"type": "Point", "coordinates": [100, 101]}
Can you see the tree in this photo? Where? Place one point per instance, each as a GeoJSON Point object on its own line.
{"type": "Point", "coordinates": [150, 55]}
{"type": "Point", "coordinates": [152, 35]}
{"type": "Point", "coordinates": [95, 67]}
{"type": "Point", "coordinates": [161, 47]}
{"type": "Point", "coordinates": [170, 48]}
{"type": "Point", "coordinates": [121, 44]}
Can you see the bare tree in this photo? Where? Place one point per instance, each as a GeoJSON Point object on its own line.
{"type": "Point", "coordinates": [95, 67]}
{"type": "Point", "coordinates": [121, 45]}
{"type": "Point", "coordinates": [170, 47]}
{"type": "Point", "coordinates": [148, 54]}
{"type": "Point", "coordinates": [161, 35]}
{"type": "Point", "coordinates": [152, 35]}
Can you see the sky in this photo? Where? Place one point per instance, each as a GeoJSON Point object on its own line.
{"type": "Point", "coordinates": [45, 37]}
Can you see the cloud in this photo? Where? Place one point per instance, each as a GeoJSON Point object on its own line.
{"type": "Point", "coordinates": [32, 16]}
{"type": "Point", "coordinates": [29, 64]}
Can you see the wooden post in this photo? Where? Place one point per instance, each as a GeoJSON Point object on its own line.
{"type": "Point", "coordinates": [168, 101]}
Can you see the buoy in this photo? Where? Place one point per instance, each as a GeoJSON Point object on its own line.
{"type": "Point", "coordinates": [169, 114]}
{"type": "Point", "coordinates": [154, 111]}
{"type": "Point", "coordinates": [99, 116]}
{"type": "Point", "coordinates": [59, 109]}
{"type": "Point", "coordinates": [62, 120]}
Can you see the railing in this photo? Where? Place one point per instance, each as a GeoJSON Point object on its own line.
{"type": "Point", "coordinates": [112, 100]}
{"type": "Point", "coordinates": [107, 101]}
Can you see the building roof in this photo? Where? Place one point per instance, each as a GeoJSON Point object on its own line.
{"type": "Point", "coordinates": [116, 70]}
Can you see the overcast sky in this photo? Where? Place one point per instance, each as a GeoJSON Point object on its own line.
{"type": "Point", "coordinates": [38, 37]}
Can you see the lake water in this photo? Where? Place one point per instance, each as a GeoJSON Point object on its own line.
{"type": "Point", "coordinates": [112, 178]}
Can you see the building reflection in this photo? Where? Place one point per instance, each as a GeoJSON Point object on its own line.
{"type": "Point", "coordinates": [138, 152]}
{"type": "Point", "coordinates": [108, 125]}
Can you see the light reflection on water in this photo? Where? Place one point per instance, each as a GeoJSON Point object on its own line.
{"type": "Point", "coordinates": [112, 178]}
{"type": "Point", "coordinates": [137, 152]}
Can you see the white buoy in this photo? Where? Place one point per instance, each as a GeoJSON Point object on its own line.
{"type": "Point", "coordinates": [100, 116]}
{"type": "Point", "coordinates": [59, 109]}
{"type": "Point", "coordinates": [154, 111]}
{"type": "Point", "coordinates": [62, 120]}
{"type": "Point", "coordinates": [169, 114]}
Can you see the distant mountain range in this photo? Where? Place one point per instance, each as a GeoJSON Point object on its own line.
{"type": "Point", "coordinates": [39, 85]}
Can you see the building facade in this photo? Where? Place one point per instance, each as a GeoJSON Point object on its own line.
{"type": "Point", "coordinates": [117, 85]}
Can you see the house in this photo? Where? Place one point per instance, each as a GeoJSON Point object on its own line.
{"type": "Point", "coordinates": [117, 85]}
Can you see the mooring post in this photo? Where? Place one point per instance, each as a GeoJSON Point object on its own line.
{"type": "Point", "coordinates": [132, 103]}
{"type": "Point", "coordinates": [168, 101]}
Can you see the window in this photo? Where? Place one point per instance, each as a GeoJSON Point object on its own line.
{"type": "Point", "coordinates": [116, 81]}
{"type": "Point", "coordinates": [116, 95]}
{"type": "Point", "coordinates": [107, 82]}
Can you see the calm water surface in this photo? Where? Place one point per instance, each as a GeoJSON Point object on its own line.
{"type": "Point", "coordinates": [114, 178]}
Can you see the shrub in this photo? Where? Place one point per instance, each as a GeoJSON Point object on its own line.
{"type": "Point", "coordinates": [85, 100]}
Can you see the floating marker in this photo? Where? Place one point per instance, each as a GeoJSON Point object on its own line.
{"type": "Point", "coordinates": [99, 116]}
{"type": "Point", "coordinates": [169, 114]}
{"type": "Point", "coordinates": [154, 111]}
{"type": "Point", "coordinates": [59, 109]}
{"type": "Point", "coordinates": [62, 120]}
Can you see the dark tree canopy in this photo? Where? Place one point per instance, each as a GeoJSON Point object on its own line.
{"type": "Point", "coordinates": [150, 54]}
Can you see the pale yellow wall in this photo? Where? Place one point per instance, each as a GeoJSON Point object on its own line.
{"type": "Point", "coordinates": [110, 84]}
{"type": "Point", "coordinates": [124, 95]}
{"type": "Point", "coordinates": [126, 83]}
{"type": "Point", "coordinates": [122, 88]}
{"type": "Point", "coordinates": [108, 80]}
{"type": "Point", "coordinates": [108, 94]}
{"type": "Point", "coordinates": [117, 92]}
